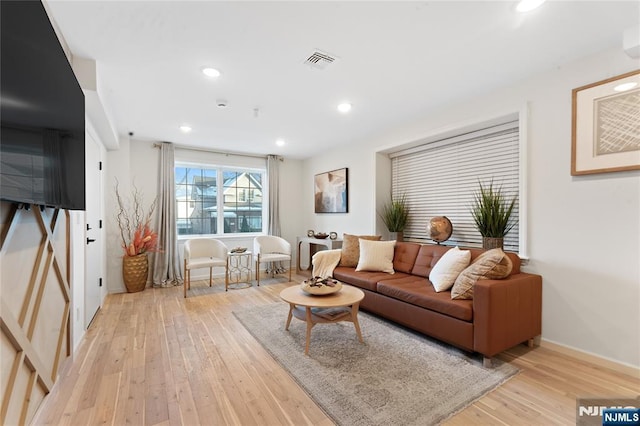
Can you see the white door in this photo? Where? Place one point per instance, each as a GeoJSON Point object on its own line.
{"type": "Point", "coordinates": [94, 240]}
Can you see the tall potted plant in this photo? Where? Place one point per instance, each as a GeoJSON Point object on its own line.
{"type": "Point", "coordinates": [138, 239]}
{"type": "Point", "coordinates": [492, 213]}
{"type": "Point", "coordinates": [395, 215]}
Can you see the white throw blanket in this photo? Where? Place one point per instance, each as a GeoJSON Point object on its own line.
{"type": "Point", "coordinates": [324, 262]}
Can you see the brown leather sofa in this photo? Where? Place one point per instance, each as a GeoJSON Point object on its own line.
{"type": "Point", "coordinates": [502, 314]}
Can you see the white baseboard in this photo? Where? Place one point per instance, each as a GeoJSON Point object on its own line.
{"type": "Point", "coordinates": [618, 366]}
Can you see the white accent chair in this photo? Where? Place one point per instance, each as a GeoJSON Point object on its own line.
{"type": "Point", "coordinates": [203, 253]}
{"type": "Point", "coordinates": [269, 248]}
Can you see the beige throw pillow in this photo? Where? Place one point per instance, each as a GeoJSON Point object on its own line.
{"type": "Point", "coordinates": [492, 264]}
{"type": "Point", "coordinates": [447, 269]}
{"type": "Point", "coordinates": [376, 256]}
{"type": "Point", "coordinates": [351, 248]}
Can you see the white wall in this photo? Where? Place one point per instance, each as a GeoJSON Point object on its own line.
{"type": "Point", "coordinates": [292, 222]}
{"type": "Point", "coordinates": [119, 161]}
{"type": "Point", "coordinates": [360, 159]}
{"type": "Point", "coordinates": [584, 232]}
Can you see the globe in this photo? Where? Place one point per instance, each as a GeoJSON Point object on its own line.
{"type": "Point", "coordinates": [439, 229]}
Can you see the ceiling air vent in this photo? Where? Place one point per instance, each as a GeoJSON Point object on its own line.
{"type": "Point", "coordinates": [319, 60]}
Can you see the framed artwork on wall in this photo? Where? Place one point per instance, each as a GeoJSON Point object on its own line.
{"type": "Point", "coordinates": [606, 126]}
{"type": "Point", "coordinates": [331, 191]}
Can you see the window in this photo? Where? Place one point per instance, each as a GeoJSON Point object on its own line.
{"type": "Point", "coordinates": [440, 178]}
{"type": "Point", "coordinates": [203, 192]}
{"type": "Point", "coordinates": [245, 214]}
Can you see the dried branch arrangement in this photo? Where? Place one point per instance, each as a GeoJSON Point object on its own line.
{"type": "Point", "coordinates": [135, 225]}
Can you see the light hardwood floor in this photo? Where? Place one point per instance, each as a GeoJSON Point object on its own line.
{"type": "Point", "coordinates": [155, 358]}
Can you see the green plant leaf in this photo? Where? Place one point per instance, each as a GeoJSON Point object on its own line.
{"type": "Point", "coordinates": [395, 214]}
{"type": "Point", "coordinates": [492, 211]}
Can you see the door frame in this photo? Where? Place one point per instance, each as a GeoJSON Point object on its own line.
{"type": "Point", "coordinates": [101, 239]}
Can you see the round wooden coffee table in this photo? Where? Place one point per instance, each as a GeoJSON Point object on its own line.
{"type": "Point", "coordinates": [340, 306]}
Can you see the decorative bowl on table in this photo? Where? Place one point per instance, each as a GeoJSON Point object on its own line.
{"type": "Point", "coordinates": [238, 250]}
{"type": "Point", "coordinates": [321, 235]}
{"type": "Point", "coordinates": [318, 286]}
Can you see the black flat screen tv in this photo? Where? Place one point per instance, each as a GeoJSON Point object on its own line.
{"type": "Point", "coordinates": [42, 134]}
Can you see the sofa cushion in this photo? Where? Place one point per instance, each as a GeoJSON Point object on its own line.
{"type": "Point", "coordinates": [492, 264]}
{"type": "Point", "coordinates": [447, 269]}
{"type": "Point", "coordinates": [515, 260]}
{"type": "Point", "coordinates": [427, 257]}
{"type": "Point", "coordinates": [364, 279]}
{"type": "Point", "coordinates": [376, 256]}
{"type": "Point", "coordinates": [351, 248]}
{"type": "Point", "coordinates": [419, 292]}
{"type": "Point", "coordinates": [404, 256]}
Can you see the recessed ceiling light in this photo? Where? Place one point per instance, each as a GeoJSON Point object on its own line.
{"type": "Point", "coordinates": [185, 129]}
{"type": "Point", "coordinates": [528, 5]}
{"type": "Point", "coordinates": [625, 86]}
{"type": "Point", "coordinates": [344, 107]}
{"type": "Point", "coordinates": [210, 72]}
{"type": "Point", "coordinates": [280, 142]}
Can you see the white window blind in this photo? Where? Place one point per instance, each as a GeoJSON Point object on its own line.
{"type": "Point", "coordinates": [440, 178]}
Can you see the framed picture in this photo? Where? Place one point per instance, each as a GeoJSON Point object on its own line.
{"type": "Point", "coordinates": [606, 126]}
{"type": "Point", "coordinates": [331, 191]}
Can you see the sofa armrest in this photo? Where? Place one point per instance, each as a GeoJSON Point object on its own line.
{"type": "Point", "coordinates": [506, 312]}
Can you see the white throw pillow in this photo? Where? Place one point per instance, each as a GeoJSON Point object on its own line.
{"type": "Point", "coordinates": [447, 269]}
{"type": "Point", "coordinates": [376, 256]}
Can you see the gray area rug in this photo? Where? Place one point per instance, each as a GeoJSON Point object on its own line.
{"type": "Point", "coordinates": [396, 377]}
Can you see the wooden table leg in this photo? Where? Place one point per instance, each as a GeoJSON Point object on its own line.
{"type": "Point", "coordinates": [309, 326]}
{"type": "Point", "coordinates": [226, 276]}
{"type": "Point", "coordinates": [354, 319]}
{"type": "Point", "coordinates": [291, 307]}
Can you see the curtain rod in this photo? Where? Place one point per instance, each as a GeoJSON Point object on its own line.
{"type": "Point", "coordinates": [189, 148]}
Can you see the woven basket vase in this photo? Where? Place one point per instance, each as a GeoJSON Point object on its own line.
{"type": "Point", "coordinates": [134, 272]}
{"type": "Point", "coordinates": [491, 243]}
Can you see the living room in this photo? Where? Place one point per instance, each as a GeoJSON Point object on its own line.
{"type": "Point", "coordinates": [582, 231]}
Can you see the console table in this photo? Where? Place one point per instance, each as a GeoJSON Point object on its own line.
{"type": "Point", "coordinates": [314, 242]}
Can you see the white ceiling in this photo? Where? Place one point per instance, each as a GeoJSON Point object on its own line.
{"type": "Point", "coordinates": [397, 61]}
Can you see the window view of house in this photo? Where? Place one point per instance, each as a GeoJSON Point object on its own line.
{"type": "Point", "coordinates": [198, 204]}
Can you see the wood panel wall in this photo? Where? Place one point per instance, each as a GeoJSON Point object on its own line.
{"type": "Point", "coordinates": [34, 306]}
